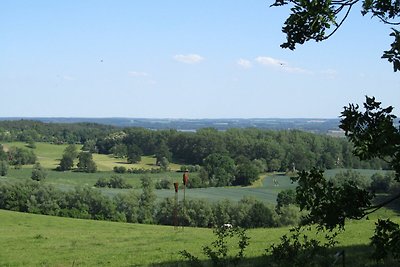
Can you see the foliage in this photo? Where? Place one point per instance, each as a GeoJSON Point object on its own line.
{"type": "Point", "coordinates": [163, 184]}
{"type": "Point", "coordinates": [218, 251]}
{"type": "Point", "coordinates": [90, 146]}
{"type": "Point", "coordinates": [3, 154]}
{"type": "Point", "coordinates": [190, 168]}
{"type": "Point", "coordinates": [329, 205]}
{"type": "Point", "coordinates": [382, 183]}
{"type": "Point", "coordinates": [164, 163]}
{"type": "Point", "coordinates": [285, 198]}
{"type": "Point", "coordinates": [355, 177]}
{"type": "Point", "coordinates": [119, 150]}
{"type": "Point", "coordinates": [246, 173]}
{"type": "Point", "coordinates": [68, 157]}
{"type": "Point", "coordinates": [38, 172]}
{"type": "Point", "coordinates": [220, 168]}
{"type": "Point", "coordinates": [146, 200]}
{"type": "Point", "coordinates": [134, 153]}
{"type": "Point", "coordinates": [3, 167]}
{"type": "Point", "coordinates": [86, 162]}
{"type": "Point", "coordinates": [298, 249]}
{"type": "Point", "coordinates": [114, 182]}
{"type": "Point", "coordinates": [119, 169]}
{"type": "Point", "coordinates": [21, 156]}
{"type": "Point", "coordinates": [386, 240]}
{"type": "Point", "coordinates": [319, 20]}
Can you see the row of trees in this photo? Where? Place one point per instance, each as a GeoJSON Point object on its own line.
{"type": "Point", "coordinates": [57, 133]}
{"type": "Point", "coordinates": [85, 163]}
{"type": "Point", "coordinates": [281, 150]}
{"type": "Point", "coordinates": [88, 203]}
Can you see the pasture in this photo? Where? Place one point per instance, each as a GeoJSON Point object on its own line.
{"type": "Point", "coordinates": [38, 240]}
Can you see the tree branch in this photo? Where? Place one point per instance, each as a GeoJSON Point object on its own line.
{"type": "Point", "coordinates": [381, 205]}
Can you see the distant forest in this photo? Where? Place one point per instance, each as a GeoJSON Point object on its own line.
{"type": "Point", "coordinates": [309, 125]}
{"type": "Point", "coordinates": [271, 150]}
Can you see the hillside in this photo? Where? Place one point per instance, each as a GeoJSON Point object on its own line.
{"type": "Point", "coordinates": [37, 240]}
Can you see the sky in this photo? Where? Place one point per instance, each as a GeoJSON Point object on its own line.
{"type": "Point", "coordinates": [183, 59]}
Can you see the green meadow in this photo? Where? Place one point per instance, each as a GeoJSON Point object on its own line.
{"type": "Point", "coordinates": [38, 240]}
{"type": "Point", "coordinates": [49, 157]}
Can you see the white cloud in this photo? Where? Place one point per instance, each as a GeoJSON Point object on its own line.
{"type": "Point", "coordinates": [281, 65]}
{"type": "Point", "coordinates": [269, 61]}
{"type": "Point", "coordinates": [138, 74]}
{"type": "Point", "coordinates": [244, 63]}
{"type": "Point", "coordinates": [189, 59]}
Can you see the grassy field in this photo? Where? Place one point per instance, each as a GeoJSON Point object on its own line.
{"type": "Point", "coordinates": [37, 240]}
{"type": "Point", "coordinates": [49, 156]}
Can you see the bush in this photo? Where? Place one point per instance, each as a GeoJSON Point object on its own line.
{"type": "Point", "coordinates": [163, 184]}
{"type": "Point", "coordinates": [38, 172]}
{"type": "Point", "coordinates": [3, 167]}
{"type": "Point", "coordinates": [381, 183]}
{"type": "Point", "coordinates": [119, 169]}
{"type": "Point", "coordinates": [285, 198]}
{"type": "Point", "coordinates": [101, 182]}
{"type": "Point", "coordinates": [114, 182]}
{"type": "Point", "coordinates": [218, 251]}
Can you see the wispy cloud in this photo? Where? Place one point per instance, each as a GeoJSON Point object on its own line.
{"type": "Point", "coordinates": [138, 74]}
{"type": "Point", "coordinates": [269, 61]}
{"type": "Point", "coordinates": [244, 63]}
{"type": "Point", "coordinates": [281, 65]}
{"type": "Point", "coordinates": [189, 59]}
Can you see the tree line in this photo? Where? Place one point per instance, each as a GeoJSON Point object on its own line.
{"type": "Point", "coordinates": [133, 207]}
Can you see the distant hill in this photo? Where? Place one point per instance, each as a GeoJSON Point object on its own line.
{"type": "Point", "coordinates": [326, 126]}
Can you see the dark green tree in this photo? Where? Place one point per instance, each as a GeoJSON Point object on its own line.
{"type": "Point", "coordinates": [134, 154]}
{"type": "Point", "coordinates": [146, 201]}
{"type": "Point", "coordinates": [68, 157]}
{"type": "Point", "coordinates": [3, 167]}
{"type": "Point", "coordinates": [86, 162]}
{"type": "Point", "coordinates": [90, 145]}
{"type": "Point", "coordinates": [21, 156]}
{"type": "Point", "coordinates": [119, 151]}
{"type": "Point", "coordinates": [285, 198]}
{"type": "Point", "coordinates": [3, 154]}
{"type": "Point", "coordinates": [220, 168]}
{"type": "Point", "coordinates": [318, 20]}
{"type": "Point", "coordinates": [247, 172]}
{"type": "Point", "coordinates": [38, 172]}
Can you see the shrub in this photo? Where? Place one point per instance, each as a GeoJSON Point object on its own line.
{"type": "Point", "coordinates": [3, 167]}
{"type": "Point", "coordinates": [381, 183]}
{"type": "Point", "coordinates": [38, 172]}
{"type": "Point", "coordinates": [163, 184]}
{"type": "Point", "coordinates": [119, 169]}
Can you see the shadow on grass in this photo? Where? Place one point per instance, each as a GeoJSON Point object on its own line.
{"type": "Point", "coordinates": [357, 256]}
{"type": "Point", "coordinates": [394, 206]}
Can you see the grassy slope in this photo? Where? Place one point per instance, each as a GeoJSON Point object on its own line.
{"type": "Point", "coordinates": [37, 240]}
{"type": "Point", "coordinates": [49, 156]}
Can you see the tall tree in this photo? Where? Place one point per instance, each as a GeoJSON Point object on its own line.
{"type": "Point", "coordinates": [146, 200]}
{"type": "Point", "coordinates": [86, 163]}
{"type": "Point", "coordinates": [67, 160]}
{"type": "Point", "coordinates": [38, 172]}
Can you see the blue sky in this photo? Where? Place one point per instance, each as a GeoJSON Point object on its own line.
{"type": "Point", "coordinates": [182, 59]}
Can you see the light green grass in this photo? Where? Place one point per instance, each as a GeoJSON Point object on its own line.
{"type": "Point", "coordinates": [37, 240]}
{"type": "Point", "coordinates": [49, 156]}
